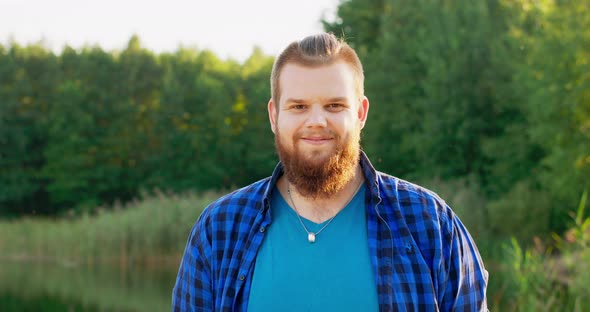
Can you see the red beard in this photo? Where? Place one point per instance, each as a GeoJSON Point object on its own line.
{"type": "Point", "coordinates": [316, 177]}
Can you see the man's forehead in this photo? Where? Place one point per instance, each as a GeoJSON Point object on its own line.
{"type": "Point", "coordinates": [292, 68]}
{"type": "Point", "coordinates": [327, 76]}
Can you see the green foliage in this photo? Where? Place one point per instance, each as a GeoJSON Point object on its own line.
{"type": "Point", "coordinates": [546, 276]}
{"type": "Point", "coordinates": [533, 279]}
{"type": "Point", "coordinates": [90, 127]}
{"type": "Point", "coordinates": [556, 80]}
{"type": "Point", "coordinates": [138, 233]}
{"type": "Point", "coordinates": [530, 284]}
{"type": "Point", "coordinates": [523, 212]}
{"type": "Point", "coordinates": [26, 91]}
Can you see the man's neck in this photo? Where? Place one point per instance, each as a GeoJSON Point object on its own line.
{"type": "Point", "coordinates": [320, 210]}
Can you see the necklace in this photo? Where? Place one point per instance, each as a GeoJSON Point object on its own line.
{"type": "Point", "coordinates": [311, 235]}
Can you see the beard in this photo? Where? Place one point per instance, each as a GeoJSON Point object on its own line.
{"type": "Point", "coordinates": [316, 175]}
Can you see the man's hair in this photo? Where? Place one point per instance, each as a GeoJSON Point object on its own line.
{"type": "Point", "coordinates": [315, 51]}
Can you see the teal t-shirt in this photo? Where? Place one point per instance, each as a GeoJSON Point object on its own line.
{"type": "Point", "coordinates": [332, 274]}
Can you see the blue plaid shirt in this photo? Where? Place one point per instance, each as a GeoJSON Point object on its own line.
{"type": "Point", "coordinates": [423, 257]}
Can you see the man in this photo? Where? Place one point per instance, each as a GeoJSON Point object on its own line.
{"type": "Point", "coordinates": [327, 232]}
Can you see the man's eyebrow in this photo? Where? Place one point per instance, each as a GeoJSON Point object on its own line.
{"type": "Point", "coordinates": [332, 99]}
{"type": "Point", "coordinates": [337, 99]}
{"type": "Point", "coordinates": [296, 101]}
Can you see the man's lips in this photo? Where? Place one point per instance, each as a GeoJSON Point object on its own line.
{"type": "Point", "coordinates": [316, 140]}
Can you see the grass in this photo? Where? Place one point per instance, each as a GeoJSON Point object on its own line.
{"type": "Point", "coordinates": [153, 229]}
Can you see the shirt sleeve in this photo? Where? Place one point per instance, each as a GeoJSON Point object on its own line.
{"type": "Point", "coordinates": [462, 276]}
{"type": "Point", "coordinates": [193, 288]}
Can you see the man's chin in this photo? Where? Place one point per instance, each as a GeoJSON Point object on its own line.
{"type": "Point", "coordinates": [317, 159]}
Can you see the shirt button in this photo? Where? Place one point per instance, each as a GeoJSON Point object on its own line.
{"type": "Point", "coordinates": [262, 229]}
{"type": "Point", "coordinates": [242, 277]}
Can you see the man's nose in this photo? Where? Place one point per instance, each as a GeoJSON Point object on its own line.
{"type": "Point", "coordinates": [317, 117]}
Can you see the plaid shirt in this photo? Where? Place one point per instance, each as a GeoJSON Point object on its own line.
{"type": "Point", "coordinates": [423, 257]}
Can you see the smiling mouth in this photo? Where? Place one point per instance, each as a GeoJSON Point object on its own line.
{"type": "Point", "coordinates": [316, 140]}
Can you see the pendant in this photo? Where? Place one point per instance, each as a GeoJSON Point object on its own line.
{"type": "Point", "coordinates": [311, 237]}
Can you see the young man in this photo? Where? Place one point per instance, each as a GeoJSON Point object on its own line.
{"type": "Point", "coordinates": [327, 232]}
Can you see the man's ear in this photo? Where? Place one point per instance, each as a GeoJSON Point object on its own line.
{"type": "Point", "coordinates": [272, 115]}
{"type": "Point", "coordinates": [363, 111]}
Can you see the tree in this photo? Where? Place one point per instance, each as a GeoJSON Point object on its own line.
{"type": "Point", "coordinates": [27, 84]}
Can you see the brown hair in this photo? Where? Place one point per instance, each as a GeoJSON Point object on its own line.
{"type": "Point", "coordinates": [314, 51]}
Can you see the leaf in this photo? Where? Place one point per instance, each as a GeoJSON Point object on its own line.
{"type": "Point", "coordinates": [581, 207]}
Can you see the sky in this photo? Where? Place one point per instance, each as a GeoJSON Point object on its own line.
{"type": "Point", "coordinates": [230, 28]}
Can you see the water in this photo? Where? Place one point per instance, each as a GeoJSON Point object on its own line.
{"type": "Point", "coordinates": [49, 286]}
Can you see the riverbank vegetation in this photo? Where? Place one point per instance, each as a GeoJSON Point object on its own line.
{"type": "Point", "coordinates": [144, 232]}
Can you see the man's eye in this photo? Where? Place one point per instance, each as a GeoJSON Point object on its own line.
{"type": "Point", "coordinates": [298, 107]}
{"type": "Point", "coordinates": [335, 105]}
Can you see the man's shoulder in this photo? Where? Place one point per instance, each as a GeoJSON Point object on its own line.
{"type": "Point", "coordinates": [246, 200]}
{"type": "Point", "coordinates": [406, 188]}
{"type": "Point", "coordinates": [229, 218]}
{"type": "Point", "coordinates": [417, 213]}
{"type": "Point", "coordinates": [411, 197]}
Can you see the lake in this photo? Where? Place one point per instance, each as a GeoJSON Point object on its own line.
{"type": "Point", "coordinates": [50, 286]}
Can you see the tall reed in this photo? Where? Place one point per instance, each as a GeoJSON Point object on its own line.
{"type": "Point", "coordinates": [154, 228]}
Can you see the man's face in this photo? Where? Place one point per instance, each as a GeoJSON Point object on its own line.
{"type": "Point", "coordinates": [317, 126]}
